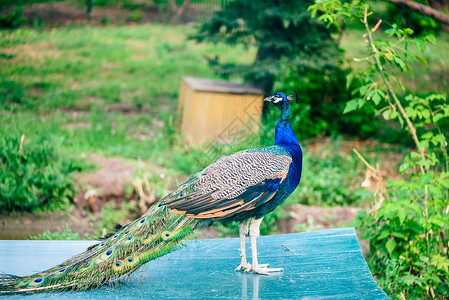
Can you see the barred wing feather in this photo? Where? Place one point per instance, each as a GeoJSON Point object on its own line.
{"type": "Point", "coordinates": [233, 184]}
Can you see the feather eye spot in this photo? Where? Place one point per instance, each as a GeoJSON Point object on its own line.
{"type": "Point", "coordinates": [130, 238]}
{"type": "Point", "coordinates": [60, 271]}
{"type": "Point", "coordinates": [118, 265]}
{"type": "Point", "coordinates": [131, 261]}
{"type": "Point", "coordinates": [166, 235]}
{"type": "Point", "coordinates": [104, 256]}
{"type": "Point", "coordinates": [159, 205]}
{"type": "Point", "coordinates": [87, 265]}
{"type": "Point", "coordinates": [181, 195]}
{"type": "Point", "coordinates": [36, 282]}
{"type": "Point", "coordinates": [142, 221]}
{"type": "Point", "coordinates": [126, 232]}
{"type": "Point", "coordinates": [115, 236]}
{"type": "Point", "coordinates": [102, 244]}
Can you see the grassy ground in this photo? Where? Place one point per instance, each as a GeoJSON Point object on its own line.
{"type": "Point", "coordinates": [107, 90]}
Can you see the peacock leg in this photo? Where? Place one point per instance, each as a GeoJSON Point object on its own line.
{"type": "Point", "coordinates": [254, 231]}
{"type": "Point", "coordinates": [243, 231]}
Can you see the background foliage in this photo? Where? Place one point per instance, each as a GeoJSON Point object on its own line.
{"type": "Point", "coordinates": [34, 176]}
{"type": "Point", "coordinates": [408, 226]}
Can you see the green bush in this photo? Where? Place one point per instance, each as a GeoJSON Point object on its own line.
{"type": "Point", "coordinates": [135, 16]}
{"type": "Point", "coordinates": [34, 176]}
{"type": "Point", "coordinates": [409, 224]}
{"type": "Point", "coordinates": [13, 19]}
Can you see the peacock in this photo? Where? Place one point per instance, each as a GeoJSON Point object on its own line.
{"type": "Point", "coordinates": [244, 187]}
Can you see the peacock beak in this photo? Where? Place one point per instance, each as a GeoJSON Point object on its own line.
{"type": "Point", "coordinates": [269, 99]}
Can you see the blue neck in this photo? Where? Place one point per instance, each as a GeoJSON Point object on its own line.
{"type": "Point", "coordinates": [284, 134]}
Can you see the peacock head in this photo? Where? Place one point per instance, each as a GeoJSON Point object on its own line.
{"type": "Point", "coordinates": [281, 100]}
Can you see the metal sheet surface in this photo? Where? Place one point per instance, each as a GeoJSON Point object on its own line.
{"type": "Point", "coordinates": [325, 264]}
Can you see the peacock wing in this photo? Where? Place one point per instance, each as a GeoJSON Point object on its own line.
{"type": "Point", "coordinates": [239, 182]}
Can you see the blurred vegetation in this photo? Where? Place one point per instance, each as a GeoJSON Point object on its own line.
{"type": "Point", "coordinates": [34, 176]}
{"type": "Point", "coordinates": [65, 234]}
{"type": "Point", "coordinates": [408, 224]}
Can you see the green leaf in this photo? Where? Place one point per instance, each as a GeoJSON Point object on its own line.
{"type": "Point", "coordinates": [390, 245]}
{"type": "Point", "coordinates": [399, 235]}
{"type": "Point", "coordinates": [402, 215]}
{"type": "Point", "coordinates": [426, 178]}
{"type": "Point", "coordinates": [376, 98]}
{"type": "Point", "coordinates": [431, 38]}
{"type": "Point", "coordinates": [437, 117]}
{"type": "Point", "coordinates": [363, 90]}
{"type": "Point", "coordinates": [401, 63]}
{"type": "Point", "coordinates": [351, 105]}
{"type": "Point", "coordinates": [386, 114]}
{"type": "Point", "coordinates": [385, 233]}
{"type": "Point", "coordinates": [440, 138]}
{"type": "Point", "coordinates": [349, 79]}
{"type": "Point", "coordinates": [420, 44]}
{"type": "Point", "coordinates": [421, 60]}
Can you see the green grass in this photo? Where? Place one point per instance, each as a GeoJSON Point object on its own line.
{"type": "Point", "coordinates": [65, 82]}
{"type": "Point", "coordinates": [64, 234]}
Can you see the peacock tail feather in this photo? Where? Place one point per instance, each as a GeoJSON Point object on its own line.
{"type": "Point", "coordinates": [153, 235]}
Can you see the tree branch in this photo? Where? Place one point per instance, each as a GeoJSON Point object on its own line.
{"type": "Point", "coordinates": [375, 55]}
{"type": "Point", "coordinates": [423, 9]}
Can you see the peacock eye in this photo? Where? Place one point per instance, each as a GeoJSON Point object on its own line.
{"type": "Point", "coordinates": [182, 194]}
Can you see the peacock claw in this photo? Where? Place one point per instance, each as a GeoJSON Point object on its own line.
{"type": "Point", "coordinates": [264, 270]}
{"type": "Point", "coordinates": [244, 268]}
{"type": "Point", "coordinates": [260, 269]}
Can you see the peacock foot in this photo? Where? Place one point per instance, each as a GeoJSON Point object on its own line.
{"type": "Point", "coordinates": [243, 267]}
{"type": "Point", "coordinates": [263, 269]}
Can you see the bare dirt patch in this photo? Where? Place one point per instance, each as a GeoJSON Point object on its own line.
{"type": "Point", "coordinates": [104, 185]}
